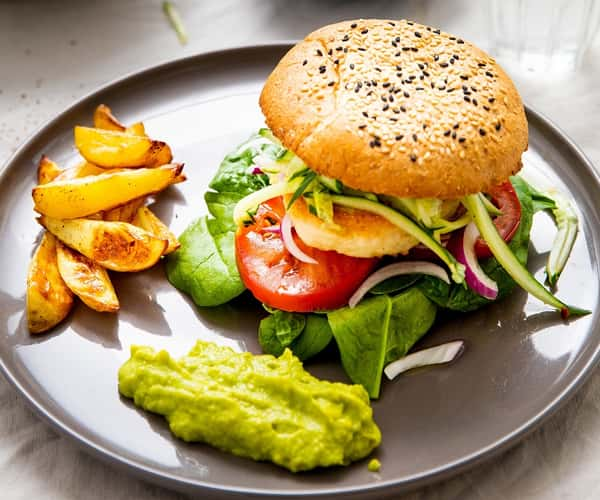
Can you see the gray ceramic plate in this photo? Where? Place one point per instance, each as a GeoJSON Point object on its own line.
{"type": "Point", "coordinates": [521, 361]}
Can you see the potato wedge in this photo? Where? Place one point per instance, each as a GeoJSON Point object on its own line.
{"type": "Point", "coordinates": [82, 170]}
{"type": "Point", "coordinates": [104, 119]}
{"type": "Point", "coordinates": [75, 198]}
{"type": "Point", "coordinates": [47, 170]}
{"type": "Point", "coordinates": [125, 213]}
{"type": "Point", "coordinates": [86, 279]}
{"type": "Point", "coordinates": [112, 149]}
{"type": "Point", "coordinates": [118, 246]}
{"type": "Point", "coordinates": [146, 219]}
{"type": "Point", "coordinates": [49, 300]}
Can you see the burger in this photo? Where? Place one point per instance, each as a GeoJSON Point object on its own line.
{"type": "Point", "coordinates": [398, 136]}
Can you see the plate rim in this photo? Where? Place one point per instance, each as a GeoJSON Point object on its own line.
{"type": "Point", "coordinates": [166, 479]}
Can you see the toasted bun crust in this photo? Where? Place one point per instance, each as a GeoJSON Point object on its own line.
{"type": "Point", "coordinates": [398, 108]}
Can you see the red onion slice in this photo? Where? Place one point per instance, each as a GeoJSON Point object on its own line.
{"type": "Point", "coordinates": [254, 170]}
{"type": "Point", "coordinates": [433, 356]}
{"type": "Point", "coordinates": [290, 244]}
{"type": "Point", "coordinates": [397, 269]}
{"type": "Point", "coordinates": [272, 229]}
{"type": "Point", "coordinates": [464, 251]}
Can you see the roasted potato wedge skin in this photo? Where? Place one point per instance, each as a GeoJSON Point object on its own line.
{"type": "Point", "coordinates": [137, 128]}
{"type": "Point", "coordinates": [86, 279]}
{"type": "Point", "coordinates": [76, 198]}
{"type": "Point", "coordinates": [104, 119]}
{"type": "Point", "coordinates": [112, 149]}
{"type": "Point", "coordinates": [125, 213]}
{"type": "Point", "coordinates": [47, 170]}
{"type": "Point", "coordinates": [118, 246]}
{"type": "Point", "coordinates": [49, 300]}
{"type": "Point", "coordinates": [146, 219]}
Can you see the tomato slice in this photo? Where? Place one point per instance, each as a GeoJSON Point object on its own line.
{"type": "Point", "coordinates": [279, 280]}
{"type": "Point", "coordinates": [506, 199]}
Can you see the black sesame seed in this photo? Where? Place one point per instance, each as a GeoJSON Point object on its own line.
{"type": "Point", "coordinates": [447, 133]}
{"type": "Point", "coordinates": [415, 138]}
{"type": "Point", "coordinates": [491, 99]}
{"type": "Point", "coordinates": [437, 32]}
{"type": "Point", "coordinates": [365, 114]}
{"type": "Point", "coordinates": [363, 126]}
{"type": "Point", "coordinates": [413, 157]}
{"type": "Point", "coordinates": [489, 73]}
{"type": "Point", "coordinates": [399, 137]}
{"type": "Point", "coordinates": [346, 38]}
{"type": "Point", "coordinates": [481, 132]}
{"type": "Point", "coordinates": [455, 126]}
{"type": "Point", "coordinates": [372, 144]}
{"type": "Point", "coordinates": [397, 39]}
{"type": "Point", "coordinates": [444, 64]}
{"type": "Point", "coordinates": [424, 126]}
{"type": "Point", "coordinates": [304, 62]}
{"type": "Point", "coordinates": [410, 23]}
{"type": "Point", "coordinates": [474, 89]}
{"type": "Point", "coordinates": [426, 74]}
{"type": "Point", "coordinates": [421, 77]}
{"type": "Point", "coordinates": [384, 98]}
{"type": "Point", "coordinates": [451, 61]}
{"type": "Point", "coordinates": [406, 94]}
{"type": "Point", "coordinates": [405, 49]}
{"type": "Point", "coordinates": [351, 66]}
{"type": "Point", "coordinates": [432, 85]}
{"type": "Point", "coordinates": [451, 89]}
{"type": "Point", "coordinates": [399, 75]}
{"type": "Point", "coordinates": [414, 49]}
{"type": "Point", "coordinates": [353, 25]}
{"type": "Point", "coordinates": [455, 56]}
{"type": "Point", "coordinates": [460, 41]}
{"type": "Point", "coordinates": [322, 69]}
{"type": "Point", "coordinates": [428, 28]}
{"type": "Point", "coordinates": [453, 135]}
{"type": "Point", "coordinates": [331, 84]}
{"type": "Point", "coordinates": [377, 69]}
{"type": "Point", "coordinates": [364, 32]}
{"type": "Point", "coordinates": [392, 23]}
{"type": "Point", "coordinates": [474, 102]}
{"type": "Point", "coordinates": [337, 61]}
{"type": "Point", "coordinates": [393, 119]}
{"type": "Point", "coordinates": [397, 54]}
{"type": "Point", "coordinates": [467, 98]}
{"type": "Point", "coordinates": [330, 52]}
{"type": "Point", "coordinates": [487, 108]}
{"type": "Point", "coordinates": [421, 66]}
{"type": "Point", "coordinates": [417, 34]}
{"type": "Point", "coordinates": [362, 49]}
{"type": "Point", "coordinates": [396, 110]}
{"type": "Point", "coordinates": [461, 139]}
{"type": "Point", "coordinates": [319, 53]}
{"type": "Point", "coordinates": [436, 58]}
{"type": "Point", "coordinates": [481, 65]}
{"type": "Point", "coordinates": [441, 87]}
{"type": "Point", "coordinates": [339, 48]}
{"type": "Point", "coordinates": [464, 77]}
{"type": "Point", "coordinates": [403, 109]}
{"type": "Point", "coordinates": [452, 38]}
{"type": "Point", "coordinates": [385, 107]}
{"type": "Point", "coordinates": [412, 77]}
{"type": "Point", "coordinates": [374, 83]}
{"type": "Point", "coordinates": [345, 50]}
{"type": "Point", "coordinates": [386, 85]}
{"type": "Point", "coordinates": [391, 98]}
{"type": "Point", "coordinates": [498, 126]}
{"type": "Point", "coordinates": [419, 88]}
{"type": "Point", "coordinates": [394, 43]}
{"type": "Point", "coordinates": [370, 93]}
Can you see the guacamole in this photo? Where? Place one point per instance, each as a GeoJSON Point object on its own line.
{"type": "Point", "coordinates": [261, 407]}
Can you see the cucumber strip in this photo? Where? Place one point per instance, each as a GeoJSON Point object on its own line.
{"type": "Point", "coordinates": [490, 207]}
{"type": "Point", "coordinates": [568, 227]}
{"type": "Point", "coordinates": [456, 269]}
{"type": "Point", "coordinates": [509, 262]}
{"type": "Point", "coordinates": [253, 200]}
{"type": "Point", "coordinates": [267, 134]}
{"type": "Point", "coordinates": [331, 184]}
{"type": "Point", "coordinates": [445, 226]}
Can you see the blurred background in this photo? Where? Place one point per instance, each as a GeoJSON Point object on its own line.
{"type": "Point", "coordinates": [54, 52]}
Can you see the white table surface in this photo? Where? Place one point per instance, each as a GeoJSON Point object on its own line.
{"type": "Point", "coordinates": [52, 53]}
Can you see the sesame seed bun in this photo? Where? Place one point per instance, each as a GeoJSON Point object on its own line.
{"type": "Point", "coordinates": [397, 108]}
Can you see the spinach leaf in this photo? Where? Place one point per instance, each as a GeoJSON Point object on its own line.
{"type": "Point", "coordinates": [412, 315]}
{"type": "Point", "coordinates": [204, 266]}
{"type": "Point", "coordinates": [306, 335]}
{"type": "Point", "coordinates": [379, 330]}
{"type": "Point", "coordinates": [461, 298]}
{"type": "Point", "coordinates": [361, 335]}
{"type": "Point", "coordinates": [395, 284]}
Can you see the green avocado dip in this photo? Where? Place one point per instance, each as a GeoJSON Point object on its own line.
{"type": "Point", "coordinates": [261, 407]}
